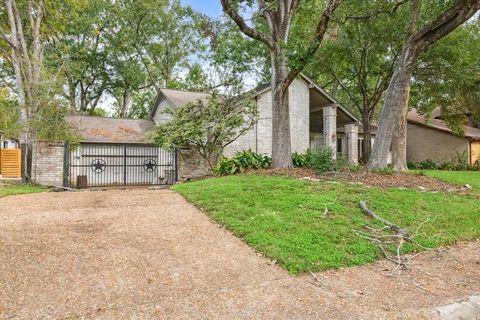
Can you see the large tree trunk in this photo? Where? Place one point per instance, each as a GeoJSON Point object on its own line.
{"type": "Point", "coordinates": [281, 140]}
{"type": "Point", "coordinates": [279, 19]}
{"type": "Point", "coordinates": [399, 140]}
{"type": "Point", "coordinates": [395, 99]}
{"type": "Point", "coordinates": [394, 113]}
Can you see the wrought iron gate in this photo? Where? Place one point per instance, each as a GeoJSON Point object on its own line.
{"type": "Point", "coordinates": [91, 164]}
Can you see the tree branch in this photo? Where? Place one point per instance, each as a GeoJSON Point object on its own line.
{"type": "Point", "coordinates": [319, 35]}
{"type": "Point", "coordinates": [249, 31]}
{"type": "Point", "coordinates": [377, 12]}
{"type": "Point", "coordinates": [444, 24]}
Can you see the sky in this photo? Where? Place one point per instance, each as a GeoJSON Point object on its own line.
{"type": "Point", "coordinates": [211, 8]}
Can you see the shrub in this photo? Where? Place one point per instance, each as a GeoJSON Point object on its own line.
{"type": "Point", "coordinates": [323, 160]}
{"type": "Point", "coordinates": [241, 161]}
{"type": "Point", "coordinates": [300, 160]}
{"type": "Point", "coordinates": [459, 162]}
{"type": "Point", "coordinates": [423, 165]}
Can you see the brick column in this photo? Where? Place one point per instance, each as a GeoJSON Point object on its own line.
{"type": "Point", "coordinates": [351, 131]}
{"type": "Point", "coordinates": [330, 127]}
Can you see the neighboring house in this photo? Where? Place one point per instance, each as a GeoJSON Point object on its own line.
{"type": "Point", "coordinates": [8, 143]}
{"type": "Point", "coordinates": [433, 139]}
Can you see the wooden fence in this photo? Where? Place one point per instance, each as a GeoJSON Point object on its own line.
{"type": "Point", "coordinates": [11, 163]}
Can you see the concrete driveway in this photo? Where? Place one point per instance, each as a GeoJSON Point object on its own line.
{"type": "Point", "coordinates": [148, 254]}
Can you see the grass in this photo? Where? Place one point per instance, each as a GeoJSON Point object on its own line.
{"type": "Point", "coordinates": [282, 217]}
{"type": "Point", "coordinates": [456, 177]}
{"type": "Point", "coordinates": [12, 189]}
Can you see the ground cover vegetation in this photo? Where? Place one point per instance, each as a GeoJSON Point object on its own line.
{"type": "Point", "coordinates": [310, 225]}
{"type": "Point", "coordinates": [12, 189]}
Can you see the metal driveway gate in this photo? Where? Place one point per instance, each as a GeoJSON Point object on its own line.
{"type": "Point", "coordinates": [95, 164]}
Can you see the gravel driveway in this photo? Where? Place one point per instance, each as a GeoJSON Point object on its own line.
{"type": "Point", "coordinates": [148, 254]}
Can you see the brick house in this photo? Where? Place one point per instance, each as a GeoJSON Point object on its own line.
{"type": "Point", "coordinates": [432, 139]}
{"type": "Point", "coordinates": [317, 120]}
{"type": "Point", "coordinates": [114, 151]}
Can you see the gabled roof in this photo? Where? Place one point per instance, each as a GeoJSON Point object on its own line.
{"type": "Point", "coordinates": [111, 130]}
{"type": "Point", "coordinates": [266, 87]}
{"type": "Point", "coordinates": [178, 98]}
{"type": "Point", "coordinates": [437, 124]}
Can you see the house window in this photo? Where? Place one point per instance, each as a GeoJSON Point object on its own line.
{"type": "Point", "coordinates": [360, 148]}
{"type": "Point", "coordinates": [339, 145]}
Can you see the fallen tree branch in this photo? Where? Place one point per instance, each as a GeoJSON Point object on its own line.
{"type": "Point", "coordinates": [399, 237]}
{"type": "Point", "coordinates": [394, 227]}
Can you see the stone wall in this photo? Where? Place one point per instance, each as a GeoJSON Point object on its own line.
{"type": "Point", "coordinates": [190, 165]}
{"type": "Point", "coordinates": [47, 163]}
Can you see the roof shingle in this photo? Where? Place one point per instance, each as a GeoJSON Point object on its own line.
{"type": "Point", "coordinates": [111, 130]}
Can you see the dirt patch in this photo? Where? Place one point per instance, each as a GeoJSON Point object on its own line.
{"type": "Point", "coordinates": [394, 180]}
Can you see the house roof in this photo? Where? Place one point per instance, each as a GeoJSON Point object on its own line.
{"type": "Point", "coordinates": [178, 98]}
{"type": "Point", "coordinates": [416, 118]}
{"type": "Point", "coordinates": [266, 87]}
{"type": "Point", "coordinates": [111, 130]}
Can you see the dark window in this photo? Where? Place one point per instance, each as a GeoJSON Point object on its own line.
{"type": "Point", "coordinates": [339, 145]}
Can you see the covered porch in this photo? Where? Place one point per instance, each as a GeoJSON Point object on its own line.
{"type": "Point", "coordinates": [332, 126]}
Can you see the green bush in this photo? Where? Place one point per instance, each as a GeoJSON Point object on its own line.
{"type": "Point", "coordinates": [241, 161]}
{"type": "Point", "coordinates": [300, 160]}
{"type": "Point", "coordinates": [423, 165]}
{"type": "Point", "coordinates": [321, 161]}
{"type": "Point", "coordinates": [459, 162]}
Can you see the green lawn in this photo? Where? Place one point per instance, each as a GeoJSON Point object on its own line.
{"type": "Point", "coordinates": [283, 217]}
{"type": "Point", "coordinates": [456, 177]}
{"type": "Point", "coordinates": [11, 189]}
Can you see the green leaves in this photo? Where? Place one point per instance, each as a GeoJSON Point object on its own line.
{"type": "Point", "coordinates": [242, 160]}
{"type": "Point", "coordinates": [9, 115]}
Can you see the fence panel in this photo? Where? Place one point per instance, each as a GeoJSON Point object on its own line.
{"type": "Point", "coordinates": [11, 163]}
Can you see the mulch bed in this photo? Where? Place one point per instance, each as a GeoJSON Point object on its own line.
{"type": "Point", "coordinates": [394, 180]}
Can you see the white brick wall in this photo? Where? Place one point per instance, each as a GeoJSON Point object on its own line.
{"type": "Point", "coordinates": [259, 139]}
{"type": "Point", "coordinates": [299, 100]}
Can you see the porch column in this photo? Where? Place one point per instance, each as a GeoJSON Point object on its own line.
{"type": "Point", "coordinates": [330, 128]}
{"type": "Point", "coordinates": [351, 131]}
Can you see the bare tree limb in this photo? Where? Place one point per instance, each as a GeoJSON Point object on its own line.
{"type": "Point", "coordinates": [394, 227]}
{"type": "Point", "coordinates": [321, 29]}
{"type": "Point", "coordinates": [240, 21]}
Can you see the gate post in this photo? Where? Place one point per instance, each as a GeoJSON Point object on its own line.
{"type": "Point", "coordinates": [176, 165]}
{"type": "Point", "coordinates": [66, 165]}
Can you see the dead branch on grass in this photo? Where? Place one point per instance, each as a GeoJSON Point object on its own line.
{"type": "Point", "coordinates": [400, 236]}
